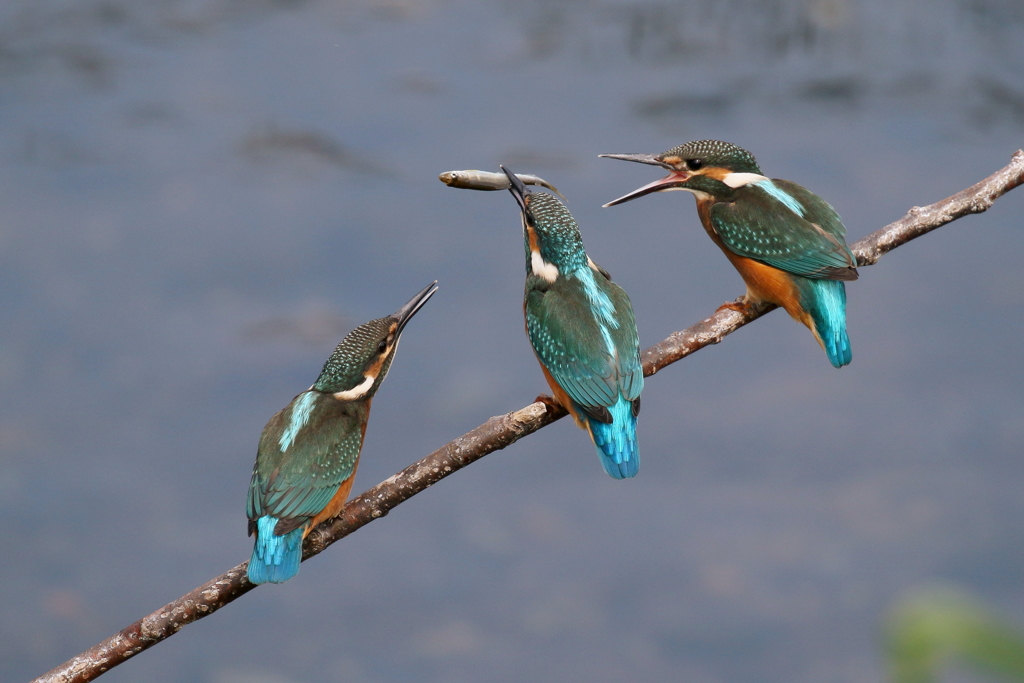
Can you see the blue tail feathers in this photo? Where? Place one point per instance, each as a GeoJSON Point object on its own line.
{"type": "Point", "coordinates": [275, 559]}
{"type": "Point", "coordinates": [616, 442]}
{"type": "Point", "coordinates": [825, 300]}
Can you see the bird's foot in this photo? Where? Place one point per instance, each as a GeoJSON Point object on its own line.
{"type": "Point", "coordinates": [549, 401]}
{"type": "Point", "coordinates": [741, 306]}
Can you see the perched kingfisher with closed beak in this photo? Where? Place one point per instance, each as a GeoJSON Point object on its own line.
{"type": "Point", "coordinates": [582, 329]}
{"type": "Point", "coordinates": [787, 243]}
{"type": "Point", "coordinates": [308, 452]}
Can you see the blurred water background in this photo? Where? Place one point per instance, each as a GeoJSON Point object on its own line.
{"type": "Point", "coordinates": [198, 198]}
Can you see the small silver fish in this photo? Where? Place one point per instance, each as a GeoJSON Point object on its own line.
{"type": "Point", "coordinates": [485, 180]}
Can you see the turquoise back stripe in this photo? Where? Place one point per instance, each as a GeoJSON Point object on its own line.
{"type": "Point", "coordinates": [780, 194]}
{"type": "Point", "coordinates": [300, 416]}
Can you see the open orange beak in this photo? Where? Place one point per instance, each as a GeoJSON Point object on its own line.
{"type": "Point", "coordinates": [673, 179]}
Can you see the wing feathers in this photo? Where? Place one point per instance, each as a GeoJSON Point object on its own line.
{"type": "Point", "coordinates": [572, 341]}
{"type": "Point", "coordinates": [296, 484]}
{"type": "Point", "coordinates": [761, 227]}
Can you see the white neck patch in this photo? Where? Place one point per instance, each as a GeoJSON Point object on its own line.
{"type": "Point", "coordinates": [735, 180]}
{"type": "Point", "coordinates": [357, 391]}
{"type": "Point", "coordinates": [541, 268]}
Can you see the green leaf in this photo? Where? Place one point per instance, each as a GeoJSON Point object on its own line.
{"type": "Point", "coordinates": [933, 627]}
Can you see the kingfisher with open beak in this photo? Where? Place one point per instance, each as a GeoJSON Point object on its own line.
{"type": "Point", "coordinates": [786, 242]}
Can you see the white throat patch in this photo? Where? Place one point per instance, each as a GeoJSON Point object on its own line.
{"type": "Point", "coordinates": [357, 391]}
{"type": "Point", "coordinates": [543, 269]}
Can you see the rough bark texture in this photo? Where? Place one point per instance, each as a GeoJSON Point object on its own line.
{"type": "Point", "coordinates": [921, 220]}
{"type": "Point", "coordinates": [497, 433]}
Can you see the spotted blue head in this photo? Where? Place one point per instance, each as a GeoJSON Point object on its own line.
{"type": "Point", "coordinates": [362, 359]}
{"type": "Point", "coordinates": [551, 235]}
{"type": "Point", "coordinates": [710, 167]}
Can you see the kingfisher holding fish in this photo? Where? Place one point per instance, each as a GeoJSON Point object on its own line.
{"type": "Point", "coordinates": [582, 329]}
{"type": "Point", "coordinates": [308, 452]}
{"type": "Point", "coordinates": [787, 243]}
{"type": "Point", "coordinates": [488, 181]}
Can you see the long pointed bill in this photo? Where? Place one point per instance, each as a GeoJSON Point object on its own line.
{"type": "Point", "coordinates": [518, 189]}
{"type": "Point", "coordinates": [406, 312]}
{"type": "Point", "coordinates": [641, 158]}
{"type": "Point", "coordinates": [673, 179]}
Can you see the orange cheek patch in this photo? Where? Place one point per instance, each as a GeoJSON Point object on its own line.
{"type": "Point", "coordinates": [716, 173]}
{"type": "Point", "coordinates": [374, 369]}
{"type": "Point", "coordinates": [532, 236]}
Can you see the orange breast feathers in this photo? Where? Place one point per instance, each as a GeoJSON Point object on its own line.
{"type": "Point", "coordinates": [336, 503]}
{"type": "Point", "coordinates": [563, 398]}
{"type": "Point", "coordinates": [764, 283]}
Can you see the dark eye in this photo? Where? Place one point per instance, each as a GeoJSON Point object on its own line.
{"type": "Point", "coordinates": [383, 346]}
{"type": "Point", "coordinates": [694, 164]}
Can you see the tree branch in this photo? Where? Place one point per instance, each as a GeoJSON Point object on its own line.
{"type": "Point", "coordinates": [497, 433]}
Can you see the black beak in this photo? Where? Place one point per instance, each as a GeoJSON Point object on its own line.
{"type": "Point", "coordinates": [641, 158]}
{"type": "Point", "coordinates": [673, 179]}
{"type": "Point", "coordinates": [518, 189]}
{"type": "Point", "coordinates": [406, 312]}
